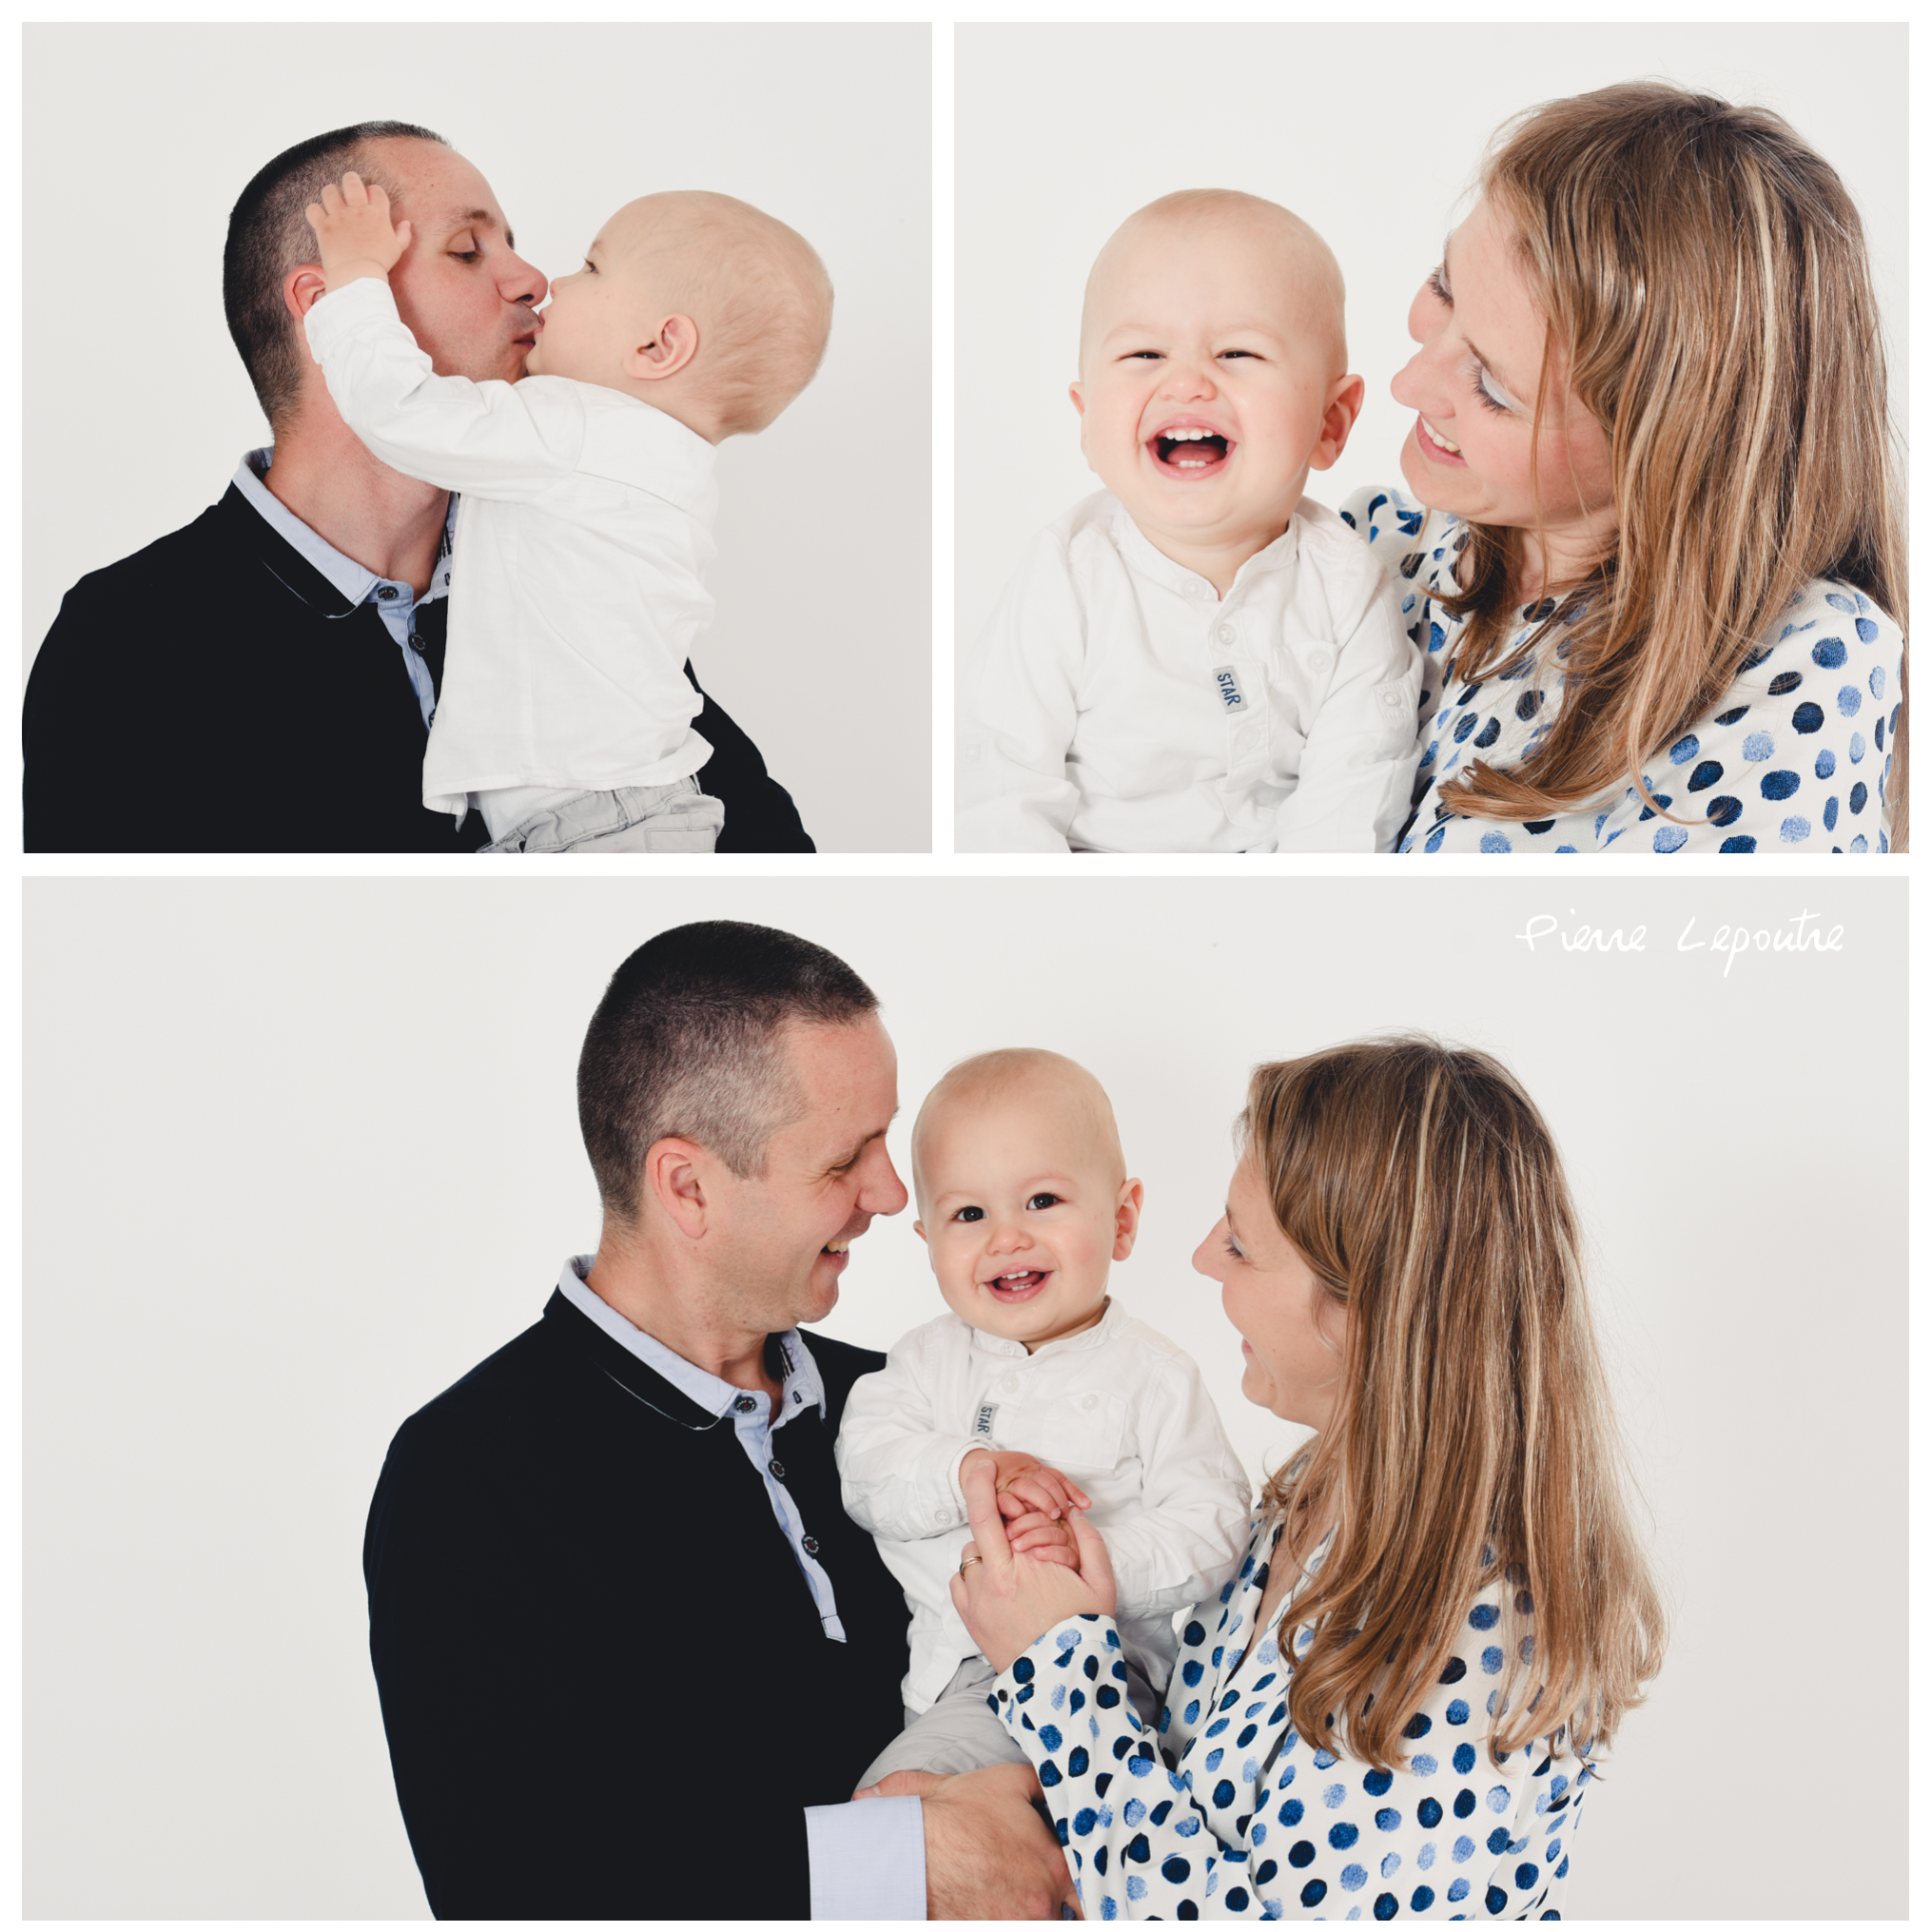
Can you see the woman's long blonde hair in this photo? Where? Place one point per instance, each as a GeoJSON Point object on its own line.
{"type": "Point", "coordinates": [1472, 1438]}
{"type": "Point", "coordinates": [1705, 273]}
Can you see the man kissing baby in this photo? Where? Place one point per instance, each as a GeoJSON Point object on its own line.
{"type": "Point", "coordinates": [587, 500]}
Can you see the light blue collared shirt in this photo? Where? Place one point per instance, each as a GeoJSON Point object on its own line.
{"type": "Point", "coordinates": [867, 1859]}
{"type": "Point", "coordinates": [749, 1408]}
{"type": "Point", "coordinates": [396, 602]}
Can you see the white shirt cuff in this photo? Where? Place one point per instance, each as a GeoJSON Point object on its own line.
{"type": "Point", "coordinates": [867, 1859]}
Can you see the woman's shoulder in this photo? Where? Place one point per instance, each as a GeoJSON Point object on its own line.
{"type": "Point", "coordinates": [1796, 751]}
{"type": "Point", "coordinates": [1396, 528]}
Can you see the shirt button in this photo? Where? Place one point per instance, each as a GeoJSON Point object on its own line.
{"type": "Point", "coordinates": [776, 1468]}
{"type": "Point", "coordinates": [1087, 1401]}
{"type": "Point", "coordinates": [811, 1546]}
{"type": "Point", "coordinates": [417, 645]}
{"type": "Point", "coordinates": [746, 1404]}
{"type": "Point", "coordinates": [1226, 633]}
{"type": "Point", "coordinates": [387, 592]}
{"type": "Point", "coordinates": [941, 1515]}
{"type": "Point", "coordinates": [1319, 660]}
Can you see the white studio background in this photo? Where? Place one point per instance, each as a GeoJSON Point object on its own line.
{"type": "Point", "coordinates": [1369, 132]}
{"type": "Point", "coordinates": [137, 407]}
{"type": "Point", "coordinates": [300, 1153]}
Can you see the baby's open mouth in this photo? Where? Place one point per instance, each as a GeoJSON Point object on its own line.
{"type": "Point", "coordinates": [1017, 1284]}
{"type": "Point", "coordinates": [1190, 452]}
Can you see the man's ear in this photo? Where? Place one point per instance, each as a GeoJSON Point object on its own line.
{"type": "Point", "coordinates": [301, 288]}
{"type": "Point", "coordinates": [1344, 406]}
{"type": "Point", "coordinates": [669, 350]}
{"type": "Point", "coordinates": [675, 1177]}
{"type": "Point", "coordinates": [1127, 1218]}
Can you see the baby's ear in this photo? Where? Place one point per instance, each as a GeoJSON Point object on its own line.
{"type": "Point", "coordinates": [1127, 1218]}
{"type": "Point", "coordinates": [1078, 401]}
{"type": "Point", "coordinates": [919, 1229]}
{"type": "Point", "coordinates": [1344, 406]}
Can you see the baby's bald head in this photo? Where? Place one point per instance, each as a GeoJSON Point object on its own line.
{"type": "Point", "coordinates": [1047, 1086]}
{"type": "Point", "coordinates": [1275, 253]}
{"type": "Point", "coordinates": [756, 289]}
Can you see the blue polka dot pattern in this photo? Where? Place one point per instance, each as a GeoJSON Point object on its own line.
{"type": "Point", "coordinates": [1783, 711]}
{"type": "Point", "coordinates": [1156, 1821]}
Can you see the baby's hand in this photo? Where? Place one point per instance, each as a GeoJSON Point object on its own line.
{"type": "Point", "coordinates": [352, 224]}
{"type": "Point", "coordinates": [1023, 1485]}
{"type": "Point", "coordinates": [1044, 1537]}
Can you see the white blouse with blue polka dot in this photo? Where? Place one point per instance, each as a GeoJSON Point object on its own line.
{"type": "Point", "coordinates": [1793, 758]}
{"type": "Point", "coordinates": [1224, 1811]}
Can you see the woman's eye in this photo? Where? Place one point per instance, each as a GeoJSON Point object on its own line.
{"type": "Point", "coordinates": [1490, 397]}
{"type": "Point", "coordinates": [1042, 1200]}
{"type": "Point", "coordinates": [1438, 289]}
{"type": "Point", "coordinates": [1227, 1241]}
{"type": "Point", "coordinates": [970, 1214]}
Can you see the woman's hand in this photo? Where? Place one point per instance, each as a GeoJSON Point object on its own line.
{"type": "Point", "coordinates": [1008, 1600]}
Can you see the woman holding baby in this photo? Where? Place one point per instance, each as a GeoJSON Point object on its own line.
{"type": "Point", "coordinates": [1442, 1614]}
{"type": "Point", "coordinates": [1656, 560]}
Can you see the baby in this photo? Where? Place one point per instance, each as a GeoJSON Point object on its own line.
{"type": "Point", "coordinates": [1024, 1200]}
{"type": "Point", "coordinates": [1198, 658]}
{"type": "Point", "coordinates": [587, 500]}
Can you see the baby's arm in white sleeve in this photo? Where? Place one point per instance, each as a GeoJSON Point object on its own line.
{"type": "Point", "coordinates": [1359, 761]}
{"type": "Point", "coordinates": [1017, 711]}
{"type": "Point", "coordinates": [1185, 1540]}
{"type": "Point", "coordinates": [508, 440]}
{"type": "Point", "coordinates": [898, 1469]}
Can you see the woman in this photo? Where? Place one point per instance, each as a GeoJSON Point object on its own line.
{"type": "Point", "coordinates": [1655, 561]}
{"type": "Point", "coordinates": [1442, 1615]}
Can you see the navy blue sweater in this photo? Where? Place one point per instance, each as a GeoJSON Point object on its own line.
{"type": "Point", "coordinates": [604, 1679]}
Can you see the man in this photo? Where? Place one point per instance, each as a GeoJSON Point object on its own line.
{"type": "Point", "coordinates": [264, 680]}
{"type": "Point", "coordinates": [633, 1655]}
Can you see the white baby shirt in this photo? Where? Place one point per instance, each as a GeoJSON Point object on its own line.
{"type": "Point", "coordinates": [1118, 1407]}
{"type": "Point", "coordinates": [583, 532]}
{"type": "Point", "coordinates": [1115, 704]}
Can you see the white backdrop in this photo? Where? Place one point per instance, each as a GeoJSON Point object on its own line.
{"type": "Point", "coordinates": [300, 1153]}
{"type": "Point", "coordinates": [137, 407]}
{"type": "Point", "coordinates": [1371, 132]}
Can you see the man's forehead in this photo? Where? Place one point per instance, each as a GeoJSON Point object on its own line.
{"type": "Point", "coordinates": [438, 183]}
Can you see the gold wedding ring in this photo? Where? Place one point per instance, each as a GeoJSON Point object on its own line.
{"type": "Point", "coordinates": [965, 1562]}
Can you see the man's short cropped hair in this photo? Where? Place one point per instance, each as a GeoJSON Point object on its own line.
{"type": "Point", "coordinates": [686, 1042]}
{"type": "Point", "coordinates": [269, 234]}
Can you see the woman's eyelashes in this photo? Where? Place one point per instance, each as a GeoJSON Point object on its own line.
{"type": "Point", "coordinates": [1485, 396]}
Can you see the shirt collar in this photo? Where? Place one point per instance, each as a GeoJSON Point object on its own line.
{"type": "Point", "coordinates": [802, 1383]}
{"type": "Point", "coordinates": [351, 581]}
{"type": "Point", "coordinates": [1103, 1330]}
{"type": "Point", "coordinates": [1152, 562]}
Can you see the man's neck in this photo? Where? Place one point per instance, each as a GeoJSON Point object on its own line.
{"type": "Point", "coordinates": [388, 522]}
{"type": "Point", "coordinates": [631, 1279]}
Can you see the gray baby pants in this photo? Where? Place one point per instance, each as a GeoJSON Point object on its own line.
{"type": "Point", "coordinates": [959, 1733]}
{"type": "Point", "coordinates": [635, 818]}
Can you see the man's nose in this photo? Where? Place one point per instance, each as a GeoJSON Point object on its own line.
{"type": "Point", "coordinates": [519, 281]}
{"type": "Point", "coordinates": [882, 1192]}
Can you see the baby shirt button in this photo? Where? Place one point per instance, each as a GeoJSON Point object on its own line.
{"type": "Point", "coordinates": [1226, 633]}
{"type": "Point", "coordinates": [941, 1516]}
{"type": "Point", "coordinates": [1319, 660]}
